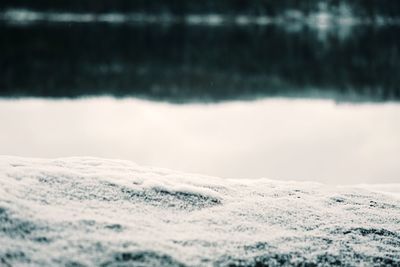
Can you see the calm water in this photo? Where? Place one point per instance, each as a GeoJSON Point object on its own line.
{"type": "Point", "coordinates": [273, 138]}
{"type": "Point", "coordinates": [294, 96]}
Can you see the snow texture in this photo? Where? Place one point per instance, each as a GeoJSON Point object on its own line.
{"type": "Point", "coordinates": [98, 212]}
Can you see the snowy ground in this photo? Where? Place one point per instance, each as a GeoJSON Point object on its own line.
{"type": "Point", "coordinates": [97, 212]}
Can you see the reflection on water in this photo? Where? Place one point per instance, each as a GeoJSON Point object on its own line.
{"type": "Point", "coordinates": [276, 138]}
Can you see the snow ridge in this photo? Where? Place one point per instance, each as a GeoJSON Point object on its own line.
{"type": "Point", "coordinates": [89, 211]}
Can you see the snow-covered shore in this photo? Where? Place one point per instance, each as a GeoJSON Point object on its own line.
{"type": "Point", "coordinates": [98, 212]}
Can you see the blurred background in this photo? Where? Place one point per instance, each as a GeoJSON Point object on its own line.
{"type": "Point", "coordinates": [304, 90]}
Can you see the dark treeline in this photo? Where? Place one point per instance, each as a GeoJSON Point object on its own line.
{"type": "Point", "coordinates": [183, 63]}
{"type": "Point", "coordinates": [369, 8]}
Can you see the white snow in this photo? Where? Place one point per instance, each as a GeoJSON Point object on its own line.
{"type": "Point", "coordinates": [322, 20]}
{"type": "Point", "coordinates": [93, 211]}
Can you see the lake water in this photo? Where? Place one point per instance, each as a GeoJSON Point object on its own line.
{"type": "Point", "coordinates": [288, 139]}
{"type": "Point", "coordinates": [286, 98]}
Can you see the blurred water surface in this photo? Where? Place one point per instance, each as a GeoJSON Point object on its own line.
{"type": "Point", "coordinates": [273, 138]}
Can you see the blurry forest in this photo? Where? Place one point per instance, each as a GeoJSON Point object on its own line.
{"type": "Point", "coordinates": [181, 62]}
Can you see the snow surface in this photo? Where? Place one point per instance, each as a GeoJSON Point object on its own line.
{"type": "Point", "coordinates": [98, 212]}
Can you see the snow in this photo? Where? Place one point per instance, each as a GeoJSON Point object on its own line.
{"type": "Point", "coordinates": [88, 211]}
{"type": "Point", "coordinates": [323, 19]}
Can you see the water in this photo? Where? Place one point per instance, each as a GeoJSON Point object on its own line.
{"type": "Point", "coordinates": [277, 138]}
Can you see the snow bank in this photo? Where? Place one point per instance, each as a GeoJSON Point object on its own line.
{"type": "Point", "coordinates": [88, 211]}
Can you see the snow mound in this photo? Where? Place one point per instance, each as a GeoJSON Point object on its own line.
{"type": "Point", "coordinates": [88, 211]}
